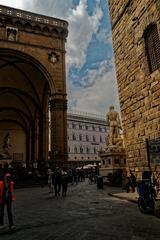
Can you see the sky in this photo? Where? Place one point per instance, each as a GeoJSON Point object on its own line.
{"type": "Point", "coordinates": [91, 78]}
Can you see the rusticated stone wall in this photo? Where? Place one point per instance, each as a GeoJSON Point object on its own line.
{"type": "Point", "coordinates": [139, 91]}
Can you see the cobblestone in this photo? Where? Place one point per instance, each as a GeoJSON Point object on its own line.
{"type": "Point", "coordinates": [85, 214]}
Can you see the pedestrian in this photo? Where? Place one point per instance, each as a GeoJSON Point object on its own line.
{"type": "Point", "coordinates": [131, 182]}
{"type": "Point", "coordinates": [6, 198]}
{"type": "Point", "coordinates": [56, 180]}
{"type": "Point", "coordinates": [65, 180]}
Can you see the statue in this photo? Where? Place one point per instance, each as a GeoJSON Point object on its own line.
{"type": "Point", "coordinates": [53, 57]}
{"type": "Point", "coordinates": [6, 144]}
{"type": "Point", "coordinates": [114, 124]}
{"type": "Point", "coordinates": [11, 35]}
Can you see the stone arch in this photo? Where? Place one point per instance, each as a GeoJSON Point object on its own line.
{"type": "Point", "coordinates": [150, 19]}
{"type": "Point", "coordinates": [28, 52]}
{"type": "Point", "coordinates": [37, 28]}
{"type": "Point", "coordinates": [24, 102]}
{"type": "Point", "coordinates": [28, 26]}
{"type": "Point", "coordinates": [33, 61]}
{"type": "Point", "coordinates": [19, 24]}
{"type": "Point", "coordinates": [46, 30]}
{"type": "Point", "coordinates": [139, 39]}
{"type": "Point", "coordinates": [9, 21]}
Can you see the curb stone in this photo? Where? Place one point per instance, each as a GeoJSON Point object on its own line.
{"type": "Point", "coordinates": [123, 198]}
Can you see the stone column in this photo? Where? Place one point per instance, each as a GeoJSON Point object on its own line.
{"type": "Point", "coordinates": [58, 108]}
{"type": "Point", "coordinates": [41, 157]}
{"type": "Point", "coordinates": [41, 139]}
{"type": "Point", "coordinates": [45, 138]}
{"type": "Point", "coordinates": [28, 147]}
{"type": "Point", "coordinates": [32, 145]}
{"type": "Point", "coordinates": [36, 139]}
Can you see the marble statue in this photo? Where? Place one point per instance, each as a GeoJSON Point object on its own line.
{"type": "Point", "coordinates": [11, 35]}
{"type": "Point", "coordinates": [6, 147]}
{"type": "Point", "coordinates": [7, 143]}
{"type": "Point", "coordinates": [114, 124]}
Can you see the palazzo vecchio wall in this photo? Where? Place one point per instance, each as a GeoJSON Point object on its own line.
{"type": "Point", "coordinates": [136, 41]}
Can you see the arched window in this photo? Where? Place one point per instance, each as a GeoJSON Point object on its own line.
{"type": "Point", "coordinates": [80, 137]}
{"type": "Point", "coordinates": [75, 150]}
{"type": "Point", "coordinates": [87, 150]}
{"type": "Point", "coordinates": [152, 45]}
{"type": "Point", "coordinates": [74, 136]}
{"type": "Point", "coordinates": [87, 138]}
{"type": "Point", "coordinates": [81, 150]}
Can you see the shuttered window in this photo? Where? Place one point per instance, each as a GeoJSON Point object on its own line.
{"type": "Point", "coordinates": [152, 43]}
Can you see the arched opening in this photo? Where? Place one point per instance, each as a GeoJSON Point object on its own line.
{"type": "Point", "coordinates": [25, 88]}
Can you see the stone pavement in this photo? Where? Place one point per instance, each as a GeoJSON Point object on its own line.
{"type": "Point", "coordinates": [85, 214]}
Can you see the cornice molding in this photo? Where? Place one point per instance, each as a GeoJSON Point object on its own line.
{"type": "Point", "coordinates": [34, 23]}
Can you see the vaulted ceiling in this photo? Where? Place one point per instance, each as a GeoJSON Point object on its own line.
{"type": "Point", "coordinates": [24, 90]}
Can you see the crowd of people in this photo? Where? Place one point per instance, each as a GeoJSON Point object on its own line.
{"type": "Point", "coordinates": [57, 180]}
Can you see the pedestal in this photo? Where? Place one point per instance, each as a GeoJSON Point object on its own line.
{"type": "Point", "coordinates": [113, 160]}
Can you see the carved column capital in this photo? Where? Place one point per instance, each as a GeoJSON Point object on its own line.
{"type": "Point", "coordinates": [58, 105]}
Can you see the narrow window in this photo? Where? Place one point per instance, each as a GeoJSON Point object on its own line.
{"type": "Point", "coordinates": [152, 45]}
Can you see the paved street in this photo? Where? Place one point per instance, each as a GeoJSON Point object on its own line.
{"type": "Point", "coordinates": [86, 214]}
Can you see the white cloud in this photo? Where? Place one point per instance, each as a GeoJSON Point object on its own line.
{"type": "Point", "coordinates": [101, 94]}
{"type": "Point", "coordinates": [99, 86]}
{"type": "Point", "coordinates": [81, 28]}
{"type": "Point", "coordinates": [55, 8]}
{"type": "Point", "coordinates": [104, 36]}
{"type": "Point", "coordinates": [81, 25]}
{"type": "Point", "coordinates": [12, 3]}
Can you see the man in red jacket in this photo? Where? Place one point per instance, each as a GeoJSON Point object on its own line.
{"type": "Point", "coordinates": [6, 198]}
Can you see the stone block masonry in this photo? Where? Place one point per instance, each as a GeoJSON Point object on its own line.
{"type": "Point", "coordinates": [139, 89]}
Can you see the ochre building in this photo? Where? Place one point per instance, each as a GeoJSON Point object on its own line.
{"type": "Point", "coordinates": [32, 83]}
{"type": "Point", "coordinates": [136, 40]}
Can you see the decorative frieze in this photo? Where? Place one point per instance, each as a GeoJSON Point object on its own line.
{"type": "Point", "coordinates": [30, 22]}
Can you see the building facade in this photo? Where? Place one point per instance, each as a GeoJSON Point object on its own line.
{"type": "Point", "coordinates": [136, 42]}
{"type": "Point", "coordinates": [86, 137]}
{"type": "Point", "coordinates": [32, 78]}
